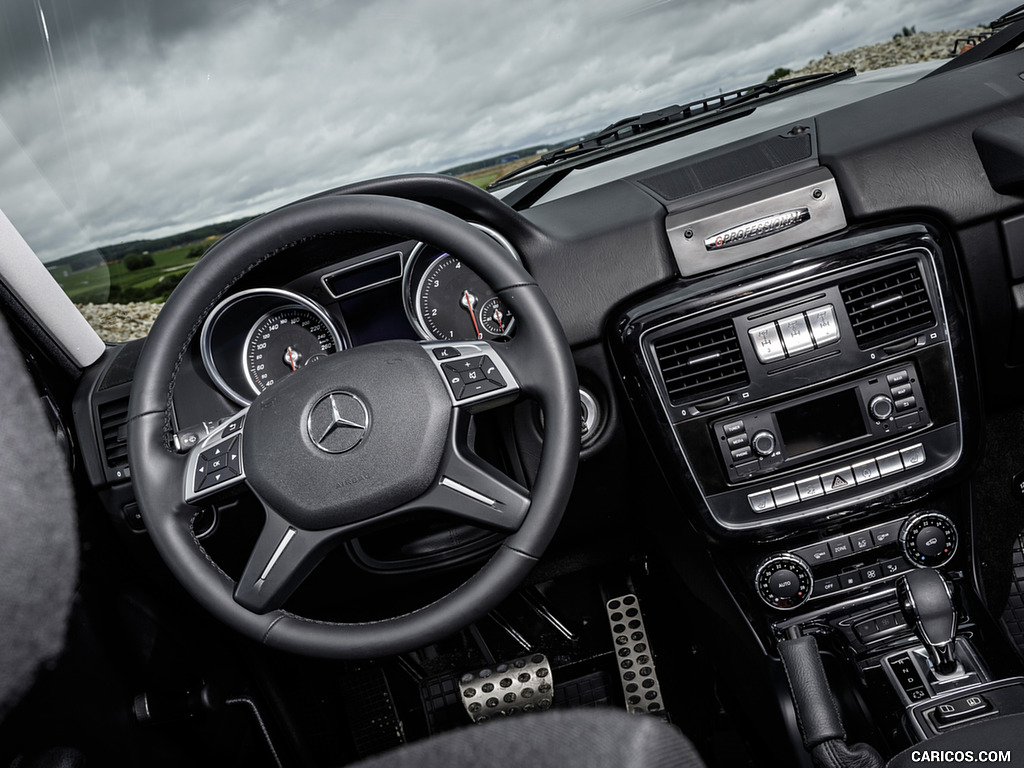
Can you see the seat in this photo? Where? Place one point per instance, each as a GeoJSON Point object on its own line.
{"type": "Point", "coordinates": [571, 738]}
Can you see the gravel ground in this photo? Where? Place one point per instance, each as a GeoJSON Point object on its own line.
{"type": "Point", "coordinates": [922, 46]}
{"type": "Point", "coordinates": [123, 322]}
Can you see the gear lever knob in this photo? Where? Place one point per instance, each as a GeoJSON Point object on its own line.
{"type": "Point", "coordinates": [927, 604]}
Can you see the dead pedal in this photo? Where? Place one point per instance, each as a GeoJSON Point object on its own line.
{"type": "Point", "coordinates": [635, 659]}
{"type": "Point", "coordinates": [521, 685]}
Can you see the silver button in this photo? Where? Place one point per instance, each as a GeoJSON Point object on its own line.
{"type": "Point", "coordinates": [913, 456]}
{"type": "Point", "coordinates": [838, 480]}
{"type": "Point", "coordinates": [761, 501]}
{"type": "Point", "coordinates": [889, 463]}
{"type": "Point", "coordinates": [824, 328]}
{"type": "Point", "coordinates": [809, 488]}
{"type": "Point", "coordinates": [767, 344]}
{"type": "Point", "coordinates": [866, 471]}
{"type": "Point", "coordinates": [795, 334]}
{"type": "Point", "coordinates": [785, 495]}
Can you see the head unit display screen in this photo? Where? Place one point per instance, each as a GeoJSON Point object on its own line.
{"type": "Point", "coordinates": [821, 423]}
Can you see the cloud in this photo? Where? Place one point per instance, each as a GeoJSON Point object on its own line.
{"type": "Point", "coordinates": [150, 117]}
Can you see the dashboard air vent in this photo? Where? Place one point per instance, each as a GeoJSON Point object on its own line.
{"type": "Point", "coordinates": [113, 416]}
{"type": "Point", "coordinates": [701, 361]}
{"type": "Point", "coordinates": [887, 305]}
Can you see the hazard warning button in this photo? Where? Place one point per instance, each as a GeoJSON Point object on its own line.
{"type": "Point", "coordinates": [838, 480]}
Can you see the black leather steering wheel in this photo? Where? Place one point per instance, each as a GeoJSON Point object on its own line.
{"type": "Point", "coordinates": [372, 433]}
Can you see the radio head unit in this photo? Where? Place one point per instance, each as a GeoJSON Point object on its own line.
{"type": "Point", "coordinates": [824, 384]}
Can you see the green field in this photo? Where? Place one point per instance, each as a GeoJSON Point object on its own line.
{"type": "Point", "coordinates": [116, 283]}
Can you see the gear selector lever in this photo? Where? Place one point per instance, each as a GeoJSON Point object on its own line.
{"type": "Point", "coordinates": [927, 604]}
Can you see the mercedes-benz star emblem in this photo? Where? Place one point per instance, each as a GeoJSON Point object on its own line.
{"type": "Point", "coordinates": [338, 422]}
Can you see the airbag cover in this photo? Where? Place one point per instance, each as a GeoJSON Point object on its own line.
{"type": "Point", "coordinates": [353, 476]}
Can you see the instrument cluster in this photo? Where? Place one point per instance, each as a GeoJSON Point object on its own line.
{"type": "Point", "coordinates": [255, 338]}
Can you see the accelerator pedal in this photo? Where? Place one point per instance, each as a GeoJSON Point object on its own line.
{"type": "Point", "coordinates": [634, 656]}
{"type": "Point", "coordinates": [521, 685]}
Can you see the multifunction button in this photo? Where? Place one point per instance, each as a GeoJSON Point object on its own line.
{"type": "Point", "coordinates": [838, 479]}
{"type": "Point", "coordinates": [472, 376]}
{"type": "Point", "coordinates": [795, 334]}
{"type": "Point", "coordinates": [218, 464]}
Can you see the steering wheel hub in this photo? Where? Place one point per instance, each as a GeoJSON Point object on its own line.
{"type": "Point", "coordinates": [359, 433]}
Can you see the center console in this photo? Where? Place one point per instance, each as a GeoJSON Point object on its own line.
{"type": "Point", "coordinates": [809, 411]}
{"type": "Point", "coordinates": [794, 394]}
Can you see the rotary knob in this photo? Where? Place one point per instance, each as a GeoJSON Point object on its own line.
{"type": "Point", "coordinates": [784, 581]}
{"type": "Point", "coordinates": [763, 443]}
{"type": "Point", "coordinates": [928, 539]}
{"type": "Point", "coordinates": [881, 407]}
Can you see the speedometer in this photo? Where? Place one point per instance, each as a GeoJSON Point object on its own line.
{"type": "Point", "coordinates": [284, 340]}
{"type": "Point", "coordinates": [256, 337]}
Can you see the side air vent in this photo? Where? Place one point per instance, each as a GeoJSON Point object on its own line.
{"type": "Point", "coordinates": [701, 361]}
{"type": "Point", "coordinates": [887, 305]}
{"type": "Point", "coordinates": [113, 417]}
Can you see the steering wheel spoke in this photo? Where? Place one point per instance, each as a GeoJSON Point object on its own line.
{"type": "Point", "coordinates": [215, 464]}
{"type": "Point", "coordinates": [282, 558]}
{"type": "Point", "coordinates": [471, 489]}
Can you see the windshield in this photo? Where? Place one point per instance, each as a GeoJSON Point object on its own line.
{"type": "Point", "coordinates": [133, 135]}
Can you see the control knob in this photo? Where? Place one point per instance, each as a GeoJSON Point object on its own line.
{"type": "Point", "coordinates": [928, 539]}
{"type": "Point", "coordinates": [784, 581]}
{"type": "Point", "coordinates": [881, 407]}
{"type": "Point", "coordinates": [763, 443]}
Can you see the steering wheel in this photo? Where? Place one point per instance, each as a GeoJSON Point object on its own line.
{"type": "Point", "coordinates": [362, 437]}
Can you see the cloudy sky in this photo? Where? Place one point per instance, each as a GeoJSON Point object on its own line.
{"type": "Point", "coordinates": [122, 119]}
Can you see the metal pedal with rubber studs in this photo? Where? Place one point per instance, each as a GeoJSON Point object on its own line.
{"type": "Point", "coordinates": [633, 656]}
{"type": "Point", "coordinates": [521, 685]}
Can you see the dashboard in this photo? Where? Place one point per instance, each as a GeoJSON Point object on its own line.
{"type": "Point", "coordinates": [798, 353]}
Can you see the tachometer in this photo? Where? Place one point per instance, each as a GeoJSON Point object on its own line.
{"type": "Point", "coordinates": [454, 302]}
{"type": "Point", "coordinates": [446, 300]}
{"type": "Point", "coordinates": [284, 340]}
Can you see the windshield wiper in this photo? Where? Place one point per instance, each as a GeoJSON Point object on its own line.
{"type": "Point", "coordinates": [680, 117]}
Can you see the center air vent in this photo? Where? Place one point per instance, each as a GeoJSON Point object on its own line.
{"type": "Point", "coordinates": [887, 305]}
{"type": "Point", "coordinates": [113, 416]}
{"type": "Point", "coordinates": [701, 361]}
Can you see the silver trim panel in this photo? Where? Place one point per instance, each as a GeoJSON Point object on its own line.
{"type": "Point", "coordinates": [752, 224]}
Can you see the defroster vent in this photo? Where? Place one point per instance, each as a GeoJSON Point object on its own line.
{"type": "Point", "coordinates": [113, 417]}
{"type": "Point", "coordinates": [887, 305]}
{"type": "Point", "coordinates": [701, 361]}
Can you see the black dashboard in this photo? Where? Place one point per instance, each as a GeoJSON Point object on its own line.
{"type": "Point", "coordinates": [805, 358]}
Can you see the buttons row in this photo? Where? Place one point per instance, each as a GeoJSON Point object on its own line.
{"type": "Point", "coordinates": [871, 629]}
{"type": "Point", "coordinates": [869, 573]}
{"type": "Point", "coordinates": [472, 376]}
{"type": "Point", "coordinates": [855, 543]}
{"type": "Point", "coordinates": [795, 334]}
{"type": "Point", "coordinates": [836, 480]}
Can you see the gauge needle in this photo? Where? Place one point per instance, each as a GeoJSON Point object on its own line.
{"type": "Point", "coordinates": [291, 358]}
{"type": "Point", "coordinates": [497, 318]}
{"type": "Point", "coordinates": [469, 302]}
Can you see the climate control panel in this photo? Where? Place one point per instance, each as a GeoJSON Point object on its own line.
{"type": "Point", "coordinates": [786, 580]}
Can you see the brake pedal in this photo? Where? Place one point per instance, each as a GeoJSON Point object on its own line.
{"type": "Point", "coordinates": [635, 659]}
{"type": "Point", "coordinates": [521, 685]}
